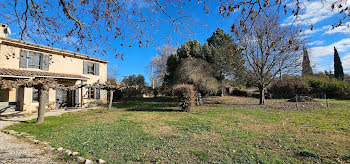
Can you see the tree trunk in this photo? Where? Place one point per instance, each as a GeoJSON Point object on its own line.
{"type": "Point", "coordinates": [262, 95]}
{"type": "Point", "coordinates": [110, 99]}
{"type": "Point", "coordinates": [42, 104]}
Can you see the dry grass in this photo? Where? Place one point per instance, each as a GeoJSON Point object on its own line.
{"type": "Point", "coordinates": [225, 130]}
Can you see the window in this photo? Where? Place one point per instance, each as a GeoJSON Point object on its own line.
{"type": "Point", "coordinates": [94, 93]}
{"type": "Point", "coordinates": [34, 60]}
{"type": "Point", "coordinates": [98, 93]}
{"type": "Point", "coordinates": [36, 95]}
{"type": "Point", "coordinates": [91, 68]}
{"type": "Point", "coordinates": [91, 93]}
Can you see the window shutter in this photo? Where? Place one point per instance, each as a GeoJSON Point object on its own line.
{"type": "Point", "coordinates": [23, 59]}
{"type": "Point", "coordinates": [85, 67]}
{"type": "Point", "coordinates": [97, 68]}
{"type": "Point", "coordinates": [97, 93]}
{"type": "Point", "coordinates": [45, 62]}
{"type": "Point", "coordinates": [76, 99]}
{"type": "Point", "coordinates": [59, 98]}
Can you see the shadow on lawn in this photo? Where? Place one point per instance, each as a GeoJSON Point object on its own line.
{"type": "Point", "coordinates": [159, 104]}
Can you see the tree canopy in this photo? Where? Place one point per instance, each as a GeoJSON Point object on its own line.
{"type": "Point", "coordinates": [134, 80]}
{"type": "Point", "coordinates": [85, 24]}
{"type": "Point", "coordinates": [219, 54]}
{"type": "Point", "coordinates": [269, 49]}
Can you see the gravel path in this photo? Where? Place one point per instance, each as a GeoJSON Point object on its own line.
{"type": "Point", "coordinates": [13, 150]}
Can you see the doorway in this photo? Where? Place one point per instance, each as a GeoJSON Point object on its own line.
{"type": "Point", "coordinates": [67, 98]}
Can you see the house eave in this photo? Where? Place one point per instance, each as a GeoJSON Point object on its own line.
{"type": "Point", "coordinates": [47, 49]}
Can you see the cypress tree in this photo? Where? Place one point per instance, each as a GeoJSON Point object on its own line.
{"type": "Point", "coordinates": [306, 70]}
{"type": "Point", "coordinates": [338, 68]}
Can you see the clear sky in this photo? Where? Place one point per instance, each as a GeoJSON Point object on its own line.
{"type": "Point", "coordinates": [320, 41]}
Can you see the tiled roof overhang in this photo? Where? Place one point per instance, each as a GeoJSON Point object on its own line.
{"type": "Point", "coordinates": [21, 73]}
{"type": "Point", "coordinates": [47, 49]}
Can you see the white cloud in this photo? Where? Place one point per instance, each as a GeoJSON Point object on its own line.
{"type": "Point", "coordinates": [315, 43]}
{"type": "Point", "coordinates": [346, 61]}
{"type": "Point", "coordinates": [342, 46]}
{"type": "Point", "coordinates": [313, 12]}
{"type": "Point", "coordinates": [309, 31]}
{"type": "Point", "coordinates": [342, 29]}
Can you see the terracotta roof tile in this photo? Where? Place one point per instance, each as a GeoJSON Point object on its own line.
{"type": "Point", "coordinates": [32, 73]}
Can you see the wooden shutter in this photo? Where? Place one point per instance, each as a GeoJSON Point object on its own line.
{"type": "Point", "coordinates": [23, 61]}
{"type": "Point", "coordinates": [85, 67]}
{"type": "Point", "coordinates": [97, 68]}
{"type": "Point", "coordinates": [45, 62]}
{"type": "Point", "coordinates": [76, 99]}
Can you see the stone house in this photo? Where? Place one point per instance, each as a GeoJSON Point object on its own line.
{"type": "Point", "coordinates": [24, 60]}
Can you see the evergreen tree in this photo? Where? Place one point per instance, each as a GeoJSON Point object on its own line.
{"type": "Point", "coordinates": [338, 68]}
{"type": "Point", "coordinates": [306, 70]}
{"type": "Point", "coordinates": [226, 61]}
{"type": "Point", "coordinates": [191, 48]}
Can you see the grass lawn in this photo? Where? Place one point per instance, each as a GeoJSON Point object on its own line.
{"type": "Point", "coordinates": [153, 130]}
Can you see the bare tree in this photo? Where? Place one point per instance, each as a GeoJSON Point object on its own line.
{"type": "Point", "coordinates": [158, 63]}
{"type": "Point", "coordinates": [269, 49]}
{"type": "Point", "coordinates": [94, 26]}
{"type": "Point", "coordinates": [250, 9]}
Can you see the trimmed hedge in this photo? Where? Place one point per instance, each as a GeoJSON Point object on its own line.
{"type": "Point", "coordinates": [185, 95]}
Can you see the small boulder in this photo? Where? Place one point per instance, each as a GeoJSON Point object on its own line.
{"type": "Point", "coordinates": [75, 153]}
{"type": "Point", "coordinates": [80, 159]}
{"type": "Point", "coordinates": [5, 131]}
{"type": "Point", "coordinates": [87, 161]}
{"type": "Point", "coordinates": [68, 152]}
{"type": "Point", "coordinates": [24, 133]}
{"type": "Point", "coordinates": [36, 141]}
{"type": "Point", "coordinates": [60, 149]}
{"type": "Point", "coordinates": [30, 137]}
{"type": "Point", "coordinates": [12, 132]}
{"type": "Point", "coordinates": [101, 161]}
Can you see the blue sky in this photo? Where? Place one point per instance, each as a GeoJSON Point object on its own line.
{"type": "Point", "coordinates": [320, 41]}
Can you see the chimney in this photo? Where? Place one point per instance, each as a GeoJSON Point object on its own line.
{"type": "Point", "coordinates": [4, 30]}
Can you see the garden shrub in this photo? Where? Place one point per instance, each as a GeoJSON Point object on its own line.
{"type": "Point", "coordinates": [132, 92]}
{"type": "Point", "coordinates": [333, 88]}
{"type": "Point", "coordinates": [288, 87]}
{"type": "Point", "coordinates": [199, 73]}
{"type": "Point", "coordinates": [239, 92]}
{"type": "Point", "coordinates": [185, 95]}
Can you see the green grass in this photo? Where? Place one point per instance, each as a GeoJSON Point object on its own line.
{"type": "Point", "coordinates": [154, 130]}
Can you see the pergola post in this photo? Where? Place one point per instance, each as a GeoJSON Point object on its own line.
{"type": "Point", "coordinates": [110, 99]}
